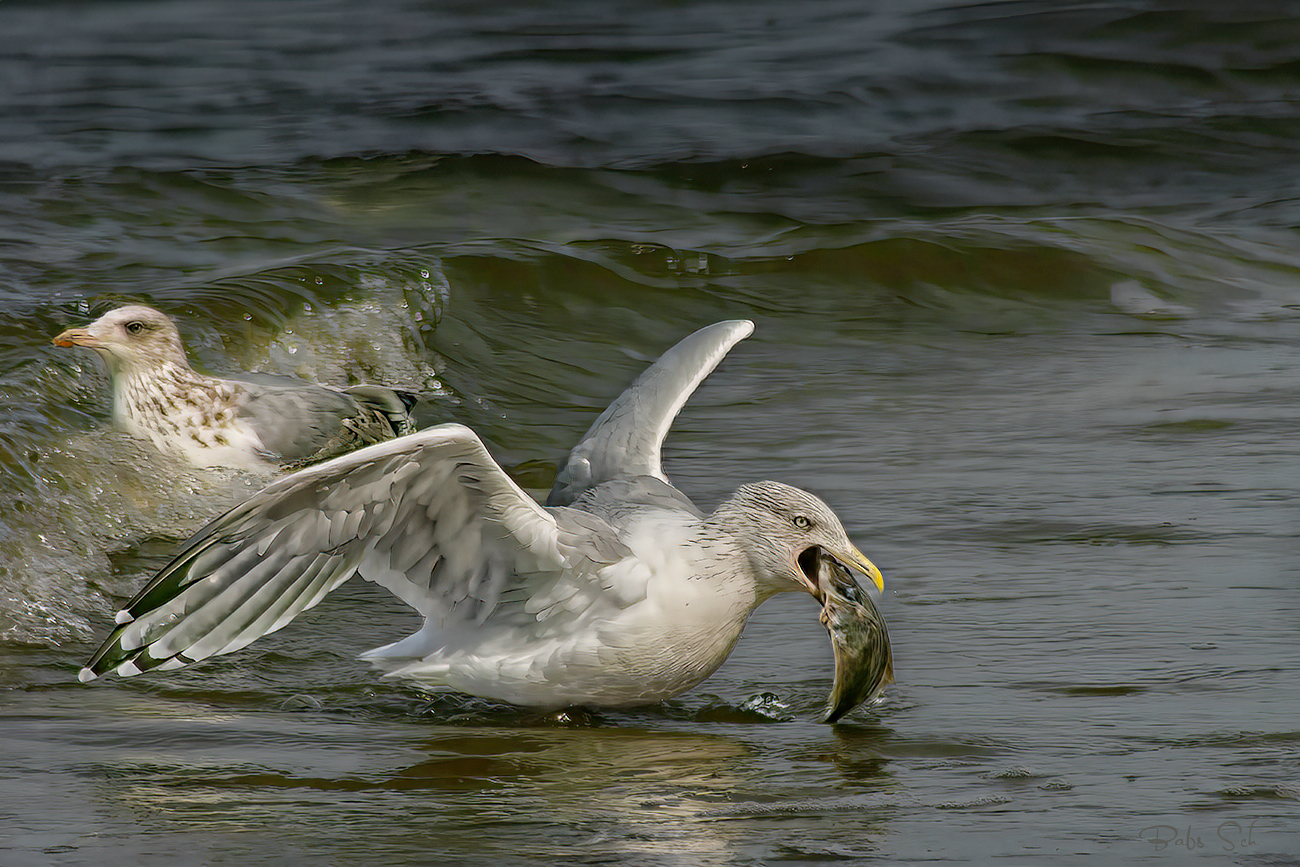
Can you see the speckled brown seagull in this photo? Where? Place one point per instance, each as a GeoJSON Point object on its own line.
{"type": "Point", "coordinates": [619, 592]}
{"type": "Point", "coordinates": [253, 421]}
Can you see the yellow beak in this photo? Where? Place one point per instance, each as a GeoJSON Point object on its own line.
{"type": "Point", "coordinates": [76, 337]}
{"type": "Point", "coordinates": [857, 560]}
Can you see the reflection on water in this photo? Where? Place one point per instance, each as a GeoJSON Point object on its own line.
{"type": "Point", "coordinates": [625, 792]}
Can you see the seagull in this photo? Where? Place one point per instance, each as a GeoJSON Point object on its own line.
{"type": "Point", "coordinates": [618, 592]}
{"type": "Point", "coordinates": [252, 421]}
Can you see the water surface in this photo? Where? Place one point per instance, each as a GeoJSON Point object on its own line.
{"type": "Point", "coordinates": [1025, 282]}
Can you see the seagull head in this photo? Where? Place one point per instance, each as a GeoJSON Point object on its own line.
{"type": "Point", "coordinates": [787, 531]}
{"type": "Point", "coordinates": [130, 339]}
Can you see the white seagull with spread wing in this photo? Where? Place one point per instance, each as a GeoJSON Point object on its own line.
{"type": "Point", "coordinates": [618, 592]}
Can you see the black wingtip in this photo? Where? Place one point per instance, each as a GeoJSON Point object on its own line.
{"type": "Point", "coordinates": [109, 656]}
{"type": "Point", "coordinates": [112, 656]}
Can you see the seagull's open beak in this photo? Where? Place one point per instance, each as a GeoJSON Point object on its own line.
{"type": "Point", "coordinates": [855, 559]}
{"type": "Point", "coordinates": [850, 560]}
{"type": "Point", "coordinates": [77, 337]}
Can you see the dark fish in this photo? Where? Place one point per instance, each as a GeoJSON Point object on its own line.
{"type": "Point", "coordinates": [864, 664]}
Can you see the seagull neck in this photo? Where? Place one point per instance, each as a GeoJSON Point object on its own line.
{"type": "Point", "coordinates": [754, 556]}
{"type": "Point", "coordinates": [144, 396]}
{"type": "Point", "coordinates": [731, 518]}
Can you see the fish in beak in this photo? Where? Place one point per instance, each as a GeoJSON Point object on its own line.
{"type": "Point", "coordinates": [864, 664]}
{"type": "Point", "coordinates": [810, 565]}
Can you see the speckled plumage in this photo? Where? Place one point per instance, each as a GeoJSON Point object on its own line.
{"type": "Point", "coordinates": [251, 422]}
{"type": "Point", "coordinates": [621, 592]}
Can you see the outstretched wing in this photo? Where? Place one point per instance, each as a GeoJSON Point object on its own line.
{"type": "Point", "coordinates": [430, 516]}
{"type": "Point", "coordinates": [626, 439]}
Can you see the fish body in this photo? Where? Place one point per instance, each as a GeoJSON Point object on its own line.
{"type": "Point", "coordinates": [864, 663]}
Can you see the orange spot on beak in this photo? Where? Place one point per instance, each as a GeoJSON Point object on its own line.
{"type": "Point", "coordinates": [76, 337]}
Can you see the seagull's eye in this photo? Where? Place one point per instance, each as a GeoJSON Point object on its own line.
{"type": "Point", "coordinates": [801, 522]}
{"type": "Point", "coordinates": [135, 327]}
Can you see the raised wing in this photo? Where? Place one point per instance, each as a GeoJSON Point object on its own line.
{"type": "Point", "coordinates": [627, 438]}
{"type": "Point", "coordinates": [430, 516]}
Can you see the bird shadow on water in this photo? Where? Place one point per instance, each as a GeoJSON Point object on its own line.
{"type": "Point", "coordinates": [349, 693]}
{"type": "Point", "coordinates": [234, 745]}
{"type": "Point", "coordinates": [628, 766]}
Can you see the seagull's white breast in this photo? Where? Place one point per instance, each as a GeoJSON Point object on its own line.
{"type": "Point", "coordinates": [185, 414]}
{"type": "Point", "coordinates": [658, 622]}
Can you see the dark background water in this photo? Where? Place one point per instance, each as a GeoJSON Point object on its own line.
{"type": "Point", "coordinates": [1026, 288]}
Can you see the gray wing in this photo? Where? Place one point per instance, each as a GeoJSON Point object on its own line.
{"type": "Point", "coordinates": [395, 405]}
{"type": "Point", "coordinates": [627, 438]}
{"type": "Point", "coordinates": [300, 422]}
{"type": "Point", "coordinates": [430, 516]}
